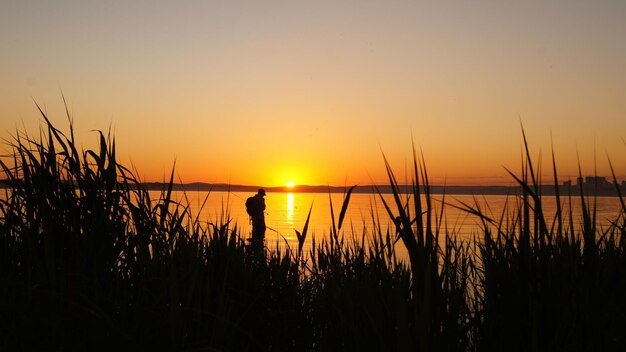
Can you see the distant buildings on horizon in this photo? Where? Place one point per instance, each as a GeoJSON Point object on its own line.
{"type": "Point", "coordinates": [594, 182]}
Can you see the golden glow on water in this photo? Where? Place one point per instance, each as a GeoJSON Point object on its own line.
{"type": "Point", "coordinates": [290, 209]}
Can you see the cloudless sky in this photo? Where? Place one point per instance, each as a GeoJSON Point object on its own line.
{"type": "Point", "coordinates": [266, 92]}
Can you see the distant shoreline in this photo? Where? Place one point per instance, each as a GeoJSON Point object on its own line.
{"type": "Point", "coordinates": [548, 190]}
{"type": "Point", "coordinates": [605, 190]}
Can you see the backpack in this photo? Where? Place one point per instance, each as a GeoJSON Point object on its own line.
{"type": "Point", "coordinates": [252, 206]}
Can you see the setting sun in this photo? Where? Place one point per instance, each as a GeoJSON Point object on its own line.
{"type": "Point", "coordinates": [291, 184]}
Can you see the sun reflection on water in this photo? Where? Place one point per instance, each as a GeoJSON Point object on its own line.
{"type": "Point", "coordinates": [290, 209]}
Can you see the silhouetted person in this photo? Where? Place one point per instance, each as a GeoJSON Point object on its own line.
{"type": "Point", "coordinates": [255, 206]}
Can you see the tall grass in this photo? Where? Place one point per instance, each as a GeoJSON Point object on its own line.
{"type": "Point", "coordinates": [554, 286]}
{"type": "Point", "coordinates": [89, 260]}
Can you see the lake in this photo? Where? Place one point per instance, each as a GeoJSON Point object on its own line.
{"type": "Point", "coordinates": [288, 211]}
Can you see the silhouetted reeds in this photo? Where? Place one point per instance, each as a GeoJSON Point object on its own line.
{"type": "Point", "coordinates": [555, 286]}
{"type": "Point", "coordinates": [89, 260]}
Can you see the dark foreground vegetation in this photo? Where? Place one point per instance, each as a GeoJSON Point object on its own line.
{"type": "Point", "coordinates": [88, 261]}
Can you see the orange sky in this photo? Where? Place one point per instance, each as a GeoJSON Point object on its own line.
{"type": "Point", "coordinates": [276, 91]}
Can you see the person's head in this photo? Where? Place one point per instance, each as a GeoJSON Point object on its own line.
{"type": "Point", "coordinates": [261, 192]}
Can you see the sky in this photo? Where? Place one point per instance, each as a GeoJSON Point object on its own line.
{"type": "Point", "coordinates": [314, 92]}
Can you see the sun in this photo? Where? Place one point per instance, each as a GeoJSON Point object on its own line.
{"type": "Point", "coordinates": [291, 184]}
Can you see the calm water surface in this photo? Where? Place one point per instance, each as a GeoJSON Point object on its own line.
{"type": "Point", "coordinates": [288, 211]}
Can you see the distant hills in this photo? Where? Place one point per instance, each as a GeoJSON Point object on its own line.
{"type": "Point", "coordinates": [219, 187]}
{"type": "Point", "coordinates": [604, 189]}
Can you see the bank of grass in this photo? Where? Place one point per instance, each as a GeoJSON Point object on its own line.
{"type": "Point", "coordinates": [88, 260]}
{"type": "Point", "coordinates": [551, 285]}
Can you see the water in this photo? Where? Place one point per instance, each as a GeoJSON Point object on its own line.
{"type": "Point", "coordinates": [288, 211]}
